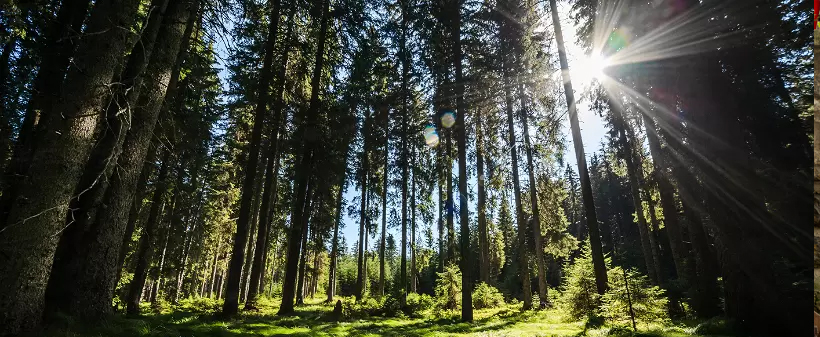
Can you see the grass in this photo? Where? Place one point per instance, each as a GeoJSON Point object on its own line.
{"type": "Point", "coordinates": [197, 319]}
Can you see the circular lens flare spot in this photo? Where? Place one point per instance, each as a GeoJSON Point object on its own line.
{"type": "Point", "coordinates": [448, 119]}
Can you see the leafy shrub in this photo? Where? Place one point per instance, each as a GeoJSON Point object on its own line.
{"type": "Point", "coordinates": [649, 302]}
{"type": "Point", "coordinates": [417, 304]}
{"type": "Point", "coordinates": [579, 294]}
{"type": "Point", "coordinates": [448, 288]}
{"type": "Point", "coordinates": [487, 296]}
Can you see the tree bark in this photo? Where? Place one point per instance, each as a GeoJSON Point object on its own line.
{"type": "Point", "coordinates": [362, 216]}
{"type": "Point", "coordinates": [307, 132]}
{"type": "Point", "coordinates": [61, 294]}
{"type": "Point", "coordinates": [413, 270]}
{"type": "Point", "coordinates": [583, 173]}
{"type": "Point", "coordinates": [27, 251]}
{"type": "Point", "coordinates": [405, 68]}
{"type": "Point", "coordinates": [461, 129]}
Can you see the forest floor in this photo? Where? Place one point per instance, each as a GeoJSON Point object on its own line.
{"type": "Point", "coordinates": [312, 319]}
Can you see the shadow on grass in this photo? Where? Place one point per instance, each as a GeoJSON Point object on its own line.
{"type": "Point", "coordinates": [308, 320]}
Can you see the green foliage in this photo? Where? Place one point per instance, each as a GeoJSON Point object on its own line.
{"type": "Point", "coordinates": [579, 296]}
{"type": "Point", "coordinates": [200, 305]}
{"type": "Point", "coordinates": [648, 302]}
{"type": "Point", "coordinates": [486, 296]}
{"type": "Point", "coordinates": [418, 304]}
{"type": "Point", "coordinates": [448, 288]}
{"type": "Point", "coordinates": [715, 326]}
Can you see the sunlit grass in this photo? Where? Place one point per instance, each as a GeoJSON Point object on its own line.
{"type": "Point", "coordinates": [196, 319]}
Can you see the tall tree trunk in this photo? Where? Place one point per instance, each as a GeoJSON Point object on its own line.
{"type": "Point", "coordinates": [158, 276]}
{"type": "Point", "coordinates": [384, 210]}
{"type": "Point", "coordinates": [360, 279]}
{"type": "Point", "coordinates": [300, 285]}
{"type": "Point", "coordinates": [264, 221]}
{"type": "Point", "coordinates": [253, 234]}
{"type": "Point", "coordinates": [405, 76]}
{"type": "Point", "coordinates": [524, 269]}
{"type": "Point", "coordinates": [305, 162]}
{"type": "Point", "coordinates": [27, 252]}
{"type": "Point", "coordinates": [536, 213]}
{"type": "Point", "coordinates": [483, 240]}
{"type": "Point", "coordinates": [145, 250]}
{"type": "Point", "coordinates": [57, 53]}
{"type": "Point", "coordinates": [136, 208]}
{"type": "Point", "coordinates": [61, 292]}
{"type": "Point", "coordinates": [231, 305]}
{"type": "Point", "coordinates": [461, 129]}
{"type": "Point", "coordinates": [92, 281]}
{"type": "Point", "coordinates": [583, 173]}
{"type": "Point", "coordinates": [334, 251]}
{"type": "Point", "coordinates": [413, 270]}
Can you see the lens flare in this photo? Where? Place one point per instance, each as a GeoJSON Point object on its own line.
{"type": "Point", "coordinates": [448, 119]}
{"type": "Point", "coordinates": [620, 38]}
{"type": "Point", "coordinates": [430, 136]}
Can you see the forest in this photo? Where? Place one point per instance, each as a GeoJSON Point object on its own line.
{"type": "Point", "coordinates": [406, 167]}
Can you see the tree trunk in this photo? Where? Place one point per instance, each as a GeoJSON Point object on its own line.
{"type": "Point", "coordinates": [461, 129]}
{"type": "Point", "coordinates": [334, 251]}
{"type": "Point", "coordinates": [231, 305]}
{"type": "Point", "coordinates": [523, 267]}
{"type": "Point", "coordinates": [583, 173]}
{"type": "Point", "coordinates": [252, 235]}
{"type": "Point", "coordinates": [145, 250]}
{"type": "Point", "coordinates": [413, 270]}
{"type": "Point", "coordinates": [536, 213]}
{"type": "Point", "coordinates": [133, 213]}
{"type": "Point", "coordinates": [264, 221]}
{"type": "Point", "coordinates": [483, 240]}
{"type": "Point", "coordinates": [384, 210]}
{"type": "Point", "coordinates": [305, 132]}
{"type": "Point", "coordinates": [362, 217]}
{"type": "Point", "coordinates": [300, 285]}
{"type": "Point", "coordinates": [27, 252]}
{"type": "Point", "coordinates": [61, 294]}
{"type": "Point", "coordinates": [158, 277]}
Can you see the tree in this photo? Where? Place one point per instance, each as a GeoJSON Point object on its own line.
{"type": "Point", "coordinates": [56, 167]}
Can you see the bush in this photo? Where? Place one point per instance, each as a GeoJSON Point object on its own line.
{"type": "Point", "coordinates": [417, 304]}
{"type": "Point", "coordinates": [200, 305]}
{"type": "Point", "coordinates": [448, 288]}
{"type": "Point", "coordinates": [487, 296]}
{"type": "Point", "coordinates": [649, 303]}
{"type": "Point", "coordinates": [714, 326]}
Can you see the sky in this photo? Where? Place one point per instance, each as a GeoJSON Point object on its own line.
{"type": "Point", "coordinates": [592, 127]}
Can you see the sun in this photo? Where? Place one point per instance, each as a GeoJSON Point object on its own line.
{"type": "Point", "coordinates": [588, 68]}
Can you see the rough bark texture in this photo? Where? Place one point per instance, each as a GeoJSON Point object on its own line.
{"type": "Point", "coordinates": [583, 173]}
{"type": "Point", "coordinates": [37, 211]}
{"type": "Point", "coordinates": [61, 294]}
{"type": "Point", "coordinates": [307, 131]}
